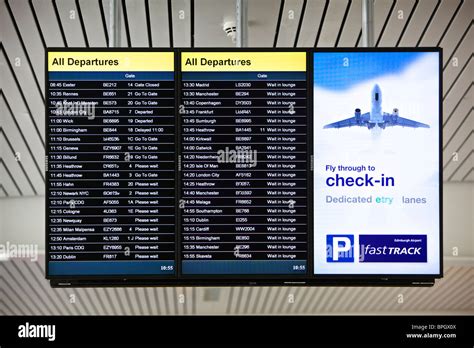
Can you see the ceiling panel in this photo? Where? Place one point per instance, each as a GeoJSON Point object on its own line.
{"type": "Point", "coordinates": [300, 300]}
{"type": "Point", "coordinates": [147, 297]}
{"type": "Point", "coordinates": [458, 138]}
{"type": "Point", "coordinates": [459, 114]}
{"type": "Point", "coordinates": [465, 161]}
{"type": "Point", "coordinates": [20, 14]}
{"type": "Point", "coordinates": [209, 30]}
{"type": "Point", "coordinates": [123, 31]}
{"type": "Point", "coordinates": [263, 19]}
{"type": "Point", "coordinates": [469, 176]}
{"type": "Point", "coordinates": [160, 299]}
{"type": "Point", "coordinates": [265, 296]}
{"type": "Point", "coordinates": [71, 26]}
{"type": "Point", "coordinates": [106, 300]}
{"type": "Point", "coordinates": [93, 17]}
{"type": "Point", "coordinates": [15, 167]}
{"type": "Point", "coordinates": [457, 158]}
{"type": "Point", "coordinates": [312, 18]}
{"type": "Point", "coordinates": [115, 301]}
{"type": "Point", "coordinates": [56, 297]}
{"type": "Point", "coordinates": [35, 280]}
{"type": "Point", "coordinates": [245, 300]}
{"type": "Point", "coordinates": [443, 16]}
{"type": "Point", "coordinates": [351, 31]}
{"type": "Point", "coordinates": [459, 25]}
{"type": "Point", "coordinates": [466, 166]}
{"type": "Point", "coordinates": [397, 23]}
{"type": "Point", "coordinates": [159, 23]}
{"type": "Point", "coordinates": [374, 303]}
{"type": "Point", "coordinates": [274, 301]}
{"type": "Point", "coordinates": [20, 289]}
{"type": "Point", "coordinates": [20, 145]}
{"type": "Point", "coordinates": [28, 125]}
{"type": "Point", "coordinates": [137, 22]}
{"type": "Point", "coordinates": [460, 124]}
{"type": "Point", "coordinates": [332, 23]}
{"type": "Point", "coordinates": [48, 22]}
{"type": "Point", "coordinates": [10, 303]}
{"type": "Point", "coordinates": [457, 95]}
{"type": "Point", "coordinates": [181, 18]}
{"type": "Point", "coordinates": [421, 16]}
{"type": "Point", "coordinates": [383, 11]}
{"type": "Point", "coordinates": [16, 64]}
{"type": "Point", "coordinates": [8, 183]}
{"type": "Point", "coordinates": [458, 63]}
{"type": "Point", "coordinates": [319, 304]}
{"type": "Point", "coordinates": [289, 23]}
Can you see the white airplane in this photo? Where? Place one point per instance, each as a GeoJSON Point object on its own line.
{"type": "Point", "coordinates": [376, 117]}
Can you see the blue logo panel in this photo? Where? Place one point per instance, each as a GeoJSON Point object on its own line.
{"type": "Point", "coordinates": [393, 248]}
{"type": "Point", "coordinates": [340, 248]}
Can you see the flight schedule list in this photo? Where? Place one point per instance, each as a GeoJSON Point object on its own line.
{"type": "Point", "coordinates": [111, 163]}
{"type": "Point", "coordinates": [243, 163]}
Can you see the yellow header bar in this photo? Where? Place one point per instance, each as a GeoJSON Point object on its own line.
{"type": "Point", "coordinates": [110, 61]}
{"type": "Point", "coordinates": [243, 61]}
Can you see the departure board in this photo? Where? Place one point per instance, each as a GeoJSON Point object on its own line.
{"type": "Point", "coordinates": [221, 166]}
{"type": "Point", "coordinates": [111, 163]}
{"type": "Point", "coordinates": [243, 168]}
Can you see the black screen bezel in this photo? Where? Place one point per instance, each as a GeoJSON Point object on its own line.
{"type": "Point", "coordinates": [309, 278]}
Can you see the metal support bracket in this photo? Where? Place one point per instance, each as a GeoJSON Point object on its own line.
{"type": "Point", "coordinates": [115, 15]}
{"type": "Point", "coordinates": [368, 23]}
{"type": "Point", "coordinates": [241, 10]}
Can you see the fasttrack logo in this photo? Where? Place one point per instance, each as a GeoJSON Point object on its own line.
{"type": "Point", "coordinates": [393, 248]}
{"type": "Point", "coordinates": [376, 248]}
{"type": "Point", "coordinates": [340, 248]}
{"type": "Point", "coordinates": [37, 331]}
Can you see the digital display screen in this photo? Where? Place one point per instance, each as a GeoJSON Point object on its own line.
{"type": "Point", "coordinates": [211, 166]}
{"type": "Point", "coordinates": [111, 163]}
{"type": "Point", "coordinates": [244, 162]}
{"type": "Point", "coordinates": [376, 164]}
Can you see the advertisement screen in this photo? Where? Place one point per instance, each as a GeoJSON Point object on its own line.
{"type": "Point", "coordinates": [376, 162]}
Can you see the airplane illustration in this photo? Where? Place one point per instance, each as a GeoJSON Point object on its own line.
{"type": "Point", "coordinates": [376, 117]}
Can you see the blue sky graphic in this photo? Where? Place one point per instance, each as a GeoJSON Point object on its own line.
{"type": "Point", "coordinates": [331, 73]}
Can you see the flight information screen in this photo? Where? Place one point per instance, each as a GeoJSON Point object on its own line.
{"type": "Point", "coordinates": [261, 166]}
{"type": "Point", "coordinates": [244, 162]}
{"type": "Point", "coordinates": [111, 163]}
